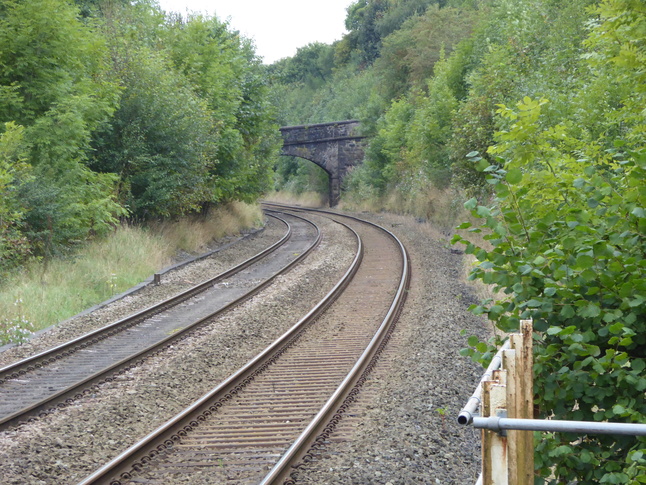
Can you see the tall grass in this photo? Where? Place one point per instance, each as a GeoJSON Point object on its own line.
{"type": "Point", "coordinates": [441, 207]}
{"type": "Point", "coordinates": [44, 293]}
{"type": "Point", "coordinates": [304, 199]}
{"type": "Point", "coordinates": [194, 233]}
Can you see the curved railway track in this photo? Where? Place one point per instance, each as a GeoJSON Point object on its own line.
{"type": "Point", "coordinates": [257, 425]}
{"type": "Point", "coordinates": [39, 384]}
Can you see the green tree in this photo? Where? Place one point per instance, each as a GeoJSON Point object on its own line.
{"type": "Point", "coordinates": [14, 171]}
{"type": "Point", "coordinates": [229, 77]}
{"type": "Point", "coordinates": [568, 236]}
{"type": "Point", "coordinates": [159, 143]}
{"type": "Point", "coordinates": [53, 83]}
{"type": "Point", "coordinates": [361, 22]}
{"type": "Point", "coordinates": [408, 55]}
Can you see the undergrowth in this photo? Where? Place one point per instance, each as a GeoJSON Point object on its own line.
{"type": "Point", "coordinates": [304, 199]}
{"type": "Point", "coordinates": [43, 293]}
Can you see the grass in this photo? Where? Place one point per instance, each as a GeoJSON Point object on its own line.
{"type": "Point", "coordinates": [304, 199]}
{"type": "Point", "coordinates": [44, 293]}
{"type": "Point", "coordinates": [441, 207]}
{"type": "Point", "coordinates": [193, 234]}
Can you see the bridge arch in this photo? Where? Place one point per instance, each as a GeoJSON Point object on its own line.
{"type": "Point", "coordinates": [335, 147]}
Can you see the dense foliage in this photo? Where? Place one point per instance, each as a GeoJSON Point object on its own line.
{"type": "Point", "coordinates": [111, 109]}
{"type": "Point", "coordinates": [535, 110]}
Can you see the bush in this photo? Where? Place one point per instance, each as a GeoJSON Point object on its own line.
{"type": "Point", "coordinates": [568, 252]}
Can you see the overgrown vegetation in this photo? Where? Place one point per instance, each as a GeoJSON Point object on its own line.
{"type": "Point", "coordinates": [111, 110]}
{"type": "Point", "coordinates": [534, 111]}
{"type": "Point", "coordinates": [42, 295]}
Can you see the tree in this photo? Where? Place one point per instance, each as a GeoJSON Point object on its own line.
{"type": "Point", "coordinates": [53, 83]}
{"type": "Point", "coordinates": [160, 142]}
{"type": "Point", "coordinates": [228, 75]}
{"type": "Point", "coordinates": [568, 236]}
{"type": "Point", "coordinates": [14, 172]}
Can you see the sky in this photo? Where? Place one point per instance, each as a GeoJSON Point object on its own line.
{"type": "Point", "coordinates": [278, 27]}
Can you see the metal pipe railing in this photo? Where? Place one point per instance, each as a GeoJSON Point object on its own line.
{"type": "Point", "coordinates": [513, 393]}
{"type": "Point", "coordinates": [469, 410]}
{"type": "Point", "coordinates": [498, 424]}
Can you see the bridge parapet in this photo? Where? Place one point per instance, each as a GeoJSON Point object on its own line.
{"type": "Point", "coordinates": [335, 147]}
{"type": "Point", "coordinates": [322, 132]}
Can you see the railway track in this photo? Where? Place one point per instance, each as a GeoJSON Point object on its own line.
{"type": "Point", "coordinates": [40, 384]}
{"type": "Point", "coordinates": [258, 424]}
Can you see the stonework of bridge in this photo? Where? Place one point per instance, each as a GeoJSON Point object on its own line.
{"type": "Point", "coordinates": [335, 147]}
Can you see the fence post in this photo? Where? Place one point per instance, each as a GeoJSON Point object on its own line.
{"type": "Point", "coordinates": [494, 446]}
{"type": "Point", "coordinates": [509, 459]}
{"type": "Point", "coordinates": [520, 402]}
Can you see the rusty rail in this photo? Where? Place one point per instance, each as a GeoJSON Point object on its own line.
{"type": "Point", "coordinates": [332, 412]}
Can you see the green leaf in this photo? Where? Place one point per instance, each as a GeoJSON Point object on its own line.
{"type": "Point", "coordinates": [568, 311]}
{"type": "Point", "coordinates": [551, 291]}
{"type": "Point", "coordinates": [618, 409]}
{"type": "Point", "coordinates": [471, 204]}
{"type": "Point", "coordinates": [514, 176]}
{"type": "Point", "coordinates": [483, 211]}
{"type": "Point", "coordinates": [589, 311]}
{"type": "Point", "coordinates": [584, 261]}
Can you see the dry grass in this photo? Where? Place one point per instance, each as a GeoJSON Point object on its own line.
{"type": "Point", "coordinates": [305, 199]}
{"type": "Point", "coordinates": [45, 293]}
{"type": "Point", "coordinates": [193, 233]}
{"type": "Point", "coordinates": [367, 204]}
{"type": "Point", "coordinates": [441, 207]}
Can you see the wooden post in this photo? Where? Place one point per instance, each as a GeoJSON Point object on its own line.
{"type": "Point", "coordinates": [514, 386]}
{"type": "Point", "coordinates": [509, 459]}
{"type": "Point", "coordinates": [521, 405]}
{"type": "Point", "coordinates": [494, 446]}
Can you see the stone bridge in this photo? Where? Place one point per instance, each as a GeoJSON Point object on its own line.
{"type": "Point", "coordinates": [335, 147]}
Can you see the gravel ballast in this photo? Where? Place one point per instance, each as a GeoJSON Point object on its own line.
{"type": "Point", "coordinates": [407, 431]}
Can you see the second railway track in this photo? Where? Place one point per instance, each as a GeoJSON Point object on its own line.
{"type": "Point", "coordinates": [37, 384]}
{"type": "Point", "coordinates": [67, 445]}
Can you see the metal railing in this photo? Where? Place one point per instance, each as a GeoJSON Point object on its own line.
{"type": "Point", "coordinates": [502, 407]}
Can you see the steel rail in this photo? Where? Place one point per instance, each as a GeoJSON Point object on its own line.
{"type": "Point", "coordinates": [132, 460]}
{"type": "Point", "coordinates": [41, 359]}
{"type": "Point", "coordinates": [85, 386]}
{"type": "Point", "coordinates": [331, 413]}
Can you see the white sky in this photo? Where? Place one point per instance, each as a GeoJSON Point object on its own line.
{"type": "Point", "coordinates": [278, 27]}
